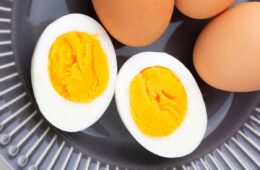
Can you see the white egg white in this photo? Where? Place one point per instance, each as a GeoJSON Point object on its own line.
{"type": "Point", "coordinates": [62, 113]}
{"type": "Point", "coordinates": [185, 138]}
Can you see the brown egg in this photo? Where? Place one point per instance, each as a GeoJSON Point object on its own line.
{"type": "Point", "coordinates": [201, 9]}
{"type": "Point", "coordinates": [134, 22]}
{"type": "Point", "coordinates": [227, 52]}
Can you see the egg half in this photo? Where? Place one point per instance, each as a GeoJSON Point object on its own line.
{"type": "Point", "coordinates": [161, 104]}
{"type": "Point", "coordinates": [73, 72]}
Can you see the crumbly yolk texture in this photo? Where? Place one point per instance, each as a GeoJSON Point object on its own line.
{"type": "Point", "coordinates": [78, 67]}
{"type": "Point", "coordinates": [158, 101]}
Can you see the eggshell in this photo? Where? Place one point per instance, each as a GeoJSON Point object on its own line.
{"type": "Point", "coordinates": [227, 52]}
{"type": "Point", "coordinates": [201, 9]}
{"type": "Point", "coordinates": [134, 22]}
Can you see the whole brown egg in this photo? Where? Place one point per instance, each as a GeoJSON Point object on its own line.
{"type": "Point", "coordinates": [134, 22]}
{"type": "Point", "coordinates": [227, 52]}
{"type": "Point", "coordinates": [201, 9]}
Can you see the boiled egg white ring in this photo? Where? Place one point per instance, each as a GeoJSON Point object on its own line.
{"type": "Point", "coordinates": [64, 114]}
{"type": "Point", "coordinates": [188, 136]}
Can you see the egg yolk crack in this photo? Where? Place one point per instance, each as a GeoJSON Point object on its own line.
{"type": "Point", "coordinates": [78, 67]}
{"type": "Point", "coordinates": [158, 101]}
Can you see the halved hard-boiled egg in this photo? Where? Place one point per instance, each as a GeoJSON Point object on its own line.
{"type": "Point", "coordinates": [161, 104]}
{"type": "Point", "coordinates": [73, 72]}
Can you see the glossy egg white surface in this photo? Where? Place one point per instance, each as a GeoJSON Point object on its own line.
{"type": "Point", "coordinates": [62, 113]}
{"type": "Point", "coordinates": [186, 138]}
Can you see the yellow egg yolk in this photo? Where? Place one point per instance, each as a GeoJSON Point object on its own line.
{"type": "Point", "coordinates": [78, 67]}
{"type": "Point", "coordinates": [158, 101]}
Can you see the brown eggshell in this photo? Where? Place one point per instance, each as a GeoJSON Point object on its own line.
{"type": "Point", "coordinates": [201, 9]}
{"type": "Point", "coordinates": [227, 52]}
{"type": "Point", "coordinates": [134, 22]}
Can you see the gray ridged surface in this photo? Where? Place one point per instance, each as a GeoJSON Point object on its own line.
{"type": "Point", "coordinates": [27, 141]}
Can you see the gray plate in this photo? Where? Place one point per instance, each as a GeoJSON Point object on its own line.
{"type": "Point", "coordinates": [27, 140]}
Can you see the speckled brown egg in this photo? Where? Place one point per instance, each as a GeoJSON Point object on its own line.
{"type": "Point", "coordinates": [134, 22]}
{"type": "Point", "coordinates": [201, 9]}
{"type": "Point", "coordinates": [227, 52]}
